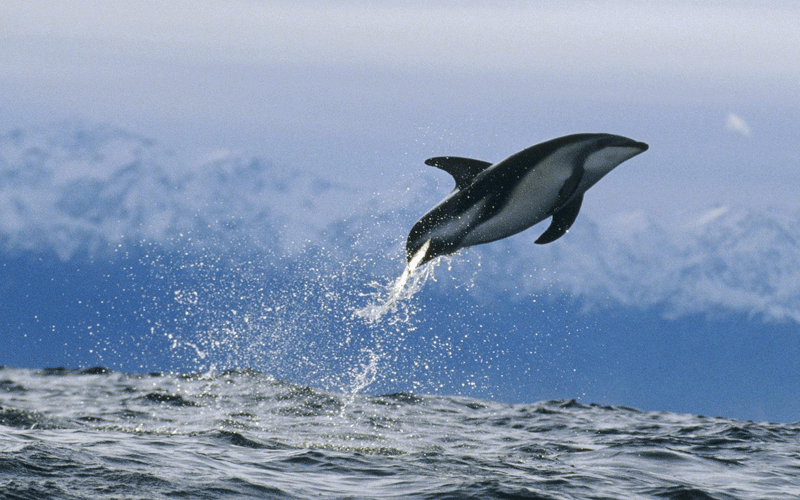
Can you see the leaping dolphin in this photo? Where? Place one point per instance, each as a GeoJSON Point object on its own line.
{"type": "Point", "coordinates": [491, 202]}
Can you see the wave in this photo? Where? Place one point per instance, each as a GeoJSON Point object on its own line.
{"type": "Point", "coordinates": [247, 435]}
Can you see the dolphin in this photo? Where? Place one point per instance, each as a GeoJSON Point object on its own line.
{"type": "Point", "coordinates": [494, 201]}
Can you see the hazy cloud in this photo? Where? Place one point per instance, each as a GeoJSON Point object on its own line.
{"type": "Point", "coordinates": [736, 123]}
{"type": "Point", "coordinates": [583, 37]}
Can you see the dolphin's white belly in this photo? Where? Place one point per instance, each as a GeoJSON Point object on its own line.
{"type": "Point", "coordinates": [530, 202]}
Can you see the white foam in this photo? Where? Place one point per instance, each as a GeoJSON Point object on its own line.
{"type": "Point", "coordinates": [387, 297]}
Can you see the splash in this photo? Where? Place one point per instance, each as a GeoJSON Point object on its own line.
{"type": "Point", "coordinates": [311, 318]}
{"type": "Point", "coordinates": [387, 298]}
{"type": "Point", "coordinates": [367, 372]}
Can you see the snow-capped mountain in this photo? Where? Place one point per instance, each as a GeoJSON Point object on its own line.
{"type": "Point", "coordinates": [723, 260]}
{"type": "Point", "coordinates": [77, 191]}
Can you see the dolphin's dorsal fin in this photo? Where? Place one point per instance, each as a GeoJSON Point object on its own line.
{"type": "Point", "coordinates": [463, 170]}
{"type": "Point", "coordinates": [562, 220]}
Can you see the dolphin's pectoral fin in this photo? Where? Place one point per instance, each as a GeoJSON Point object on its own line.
{"type": "Point", "coordinates": [562, 220]}
{"type": "Point", "coordinates": [463, 170]}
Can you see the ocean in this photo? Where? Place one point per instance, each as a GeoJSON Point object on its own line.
{"type": "Point", "coordinates": [95, 433]}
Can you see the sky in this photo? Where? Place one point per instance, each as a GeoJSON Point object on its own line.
{"type": "Point", "coordinates": [368, 90]}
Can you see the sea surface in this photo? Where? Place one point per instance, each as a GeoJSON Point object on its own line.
{"type": "Point", "coordinates": [95, 433]}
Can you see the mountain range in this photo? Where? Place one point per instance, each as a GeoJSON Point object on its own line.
{"type": "Point", "coordinates": [72, 192]}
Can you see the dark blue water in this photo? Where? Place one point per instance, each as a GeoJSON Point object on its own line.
{"type": "Point", "coordinates": [72, 434]}
{"type": "Point", "coordinates": [156, 312]}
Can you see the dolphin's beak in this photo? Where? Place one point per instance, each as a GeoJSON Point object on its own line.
{"type": "Point", "coordinates": [419, 256]}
